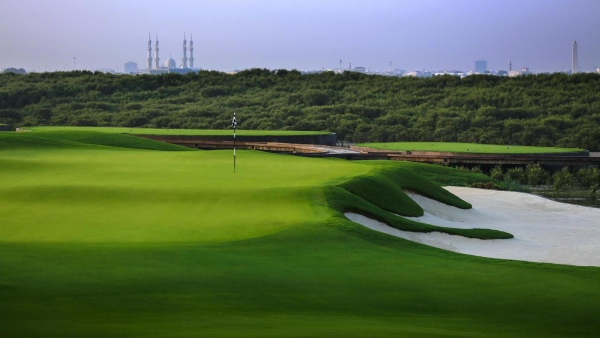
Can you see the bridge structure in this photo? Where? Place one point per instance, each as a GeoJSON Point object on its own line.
{"type": "Point", "coordinates": [551, 161]}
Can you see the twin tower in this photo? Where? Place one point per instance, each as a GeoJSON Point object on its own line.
{"type": "Point", "coordinates": [170, 63]}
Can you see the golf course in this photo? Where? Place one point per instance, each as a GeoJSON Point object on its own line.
{"type": "Point", "coordinates": [104, 234]}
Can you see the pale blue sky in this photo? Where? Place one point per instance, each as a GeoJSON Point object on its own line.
{"type": "Point", "coordinates": [305, 35]}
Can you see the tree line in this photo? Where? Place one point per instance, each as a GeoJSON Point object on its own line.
{"type": "Point", "coordinates": [561, 181]}
{"type": "Point", "coordinates": [538, 110]}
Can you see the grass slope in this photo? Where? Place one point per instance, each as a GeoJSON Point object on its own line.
{"type": "Point", "coordinates": [155, 131]}
{"type": "Point", "coordinates": [98, 241]}
{"type": "Point", "coordinates": [73, 139]}
{"type": "Point", "coordinates": [466, 148]}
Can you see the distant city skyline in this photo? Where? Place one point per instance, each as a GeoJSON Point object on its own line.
{"type": "Point", "coordinates": [50, 35]}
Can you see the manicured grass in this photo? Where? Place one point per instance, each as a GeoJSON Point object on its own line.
{"type": "Point", "coordinates": [77, 139]}
{"type": "Point", "coordinates": [203, 132]}
{"type": "Point", "coordinates": [105, 195]}
{"type": "Point", "coordinates": [466, 148]}
{"type": "Point", "coordinates": [104, 241]}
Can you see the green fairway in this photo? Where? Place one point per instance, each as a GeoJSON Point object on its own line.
{"type": "Point", "coordinates": [192, 132]}
{"type": "Point", "coordinates": [465, 148]}
{"type": "Point", "coordinates": [112, 236]}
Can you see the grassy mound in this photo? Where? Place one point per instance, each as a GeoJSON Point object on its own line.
{"type": "Point", "coordinates": [380, 195]}
{"type": "Point", "coordinates": [466, 148]}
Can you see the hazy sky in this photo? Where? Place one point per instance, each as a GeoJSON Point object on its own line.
{"type": "Point", "coordinates": [302, 34]}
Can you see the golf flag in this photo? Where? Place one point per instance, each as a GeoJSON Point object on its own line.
{"type": "Point", "coordinates": [234, 125]}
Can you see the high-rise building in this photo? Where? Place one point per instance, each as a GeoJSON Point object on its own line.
{"type": "Point", "coordinates": [575, 65]}
{"type": "Point", "coordinates": [481, 66]}
{"type": "Point", "coordinates": [130, 67]}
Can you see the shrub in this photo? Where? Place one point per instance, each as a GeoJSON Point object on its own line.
{"type": "Point", "coordinates": [536, 175]}
{"type": "Point", "coordinates": [562, 180]}
{"type": "Point", "coordinates": [496, 173]}
{"type": "Point", "coordinates": [515, 174]}
{"type": "Point", "coordinates": [511, 185]}
{"type": "Point", "coordinates": [477, 170]}
{"type": "Point", "coordinates": [589, 178]}
{"type": "Point", "coordinates": [486, 185]}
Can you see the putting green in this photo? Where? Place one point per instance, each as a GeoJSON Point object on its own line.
{"type": "Point", "coordinates": [106, 195]}
{"type": "Point", "coordinates": [101, 237]}
{"type": "Point", "coordinates": [193, 132]}
{"type": "Point", "coordinates": [466, 148]}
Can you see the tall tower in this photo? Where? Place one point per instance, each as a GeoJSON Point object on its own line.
{"type": "Point", "coordinates": [149, 59]}
{"type": "Point", "coordinates": [191, 51]}
{"type": "Point", "coordinates": [156, 59]}
{"type": "Point", "coordinates": [510, 65]}
{"type": "Point", "coordinates": [575, 65]}
{"type": "Point", "coordinates": [184, 60]}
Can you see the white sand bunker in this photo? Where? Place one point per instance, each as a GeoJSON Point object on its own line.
{"type": "Point", "coordinates": [545, 231]}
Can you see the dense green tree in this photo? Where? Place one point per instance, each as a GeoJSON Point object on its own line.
{"type": "Point", "coordinates": [546, 109]}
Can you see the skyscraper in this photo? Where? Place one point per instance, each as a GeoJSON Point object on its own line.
{"type": "Point", "coordinates": [480, 66]}
{"type": "Point", "coordinates": [575, 65]}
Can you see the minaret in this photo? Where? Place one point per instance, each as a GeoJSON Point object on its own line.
{"type": "Point", "coordinates": [156, 59]}
{"type": "Point", "coordinates": [191, 51]}
{"type": "Point", "coordinates": [575, 65]}
{"type": "Point", "coordinates": [184, 59]}
{"type": "Point", "coordinates": [149, 59]}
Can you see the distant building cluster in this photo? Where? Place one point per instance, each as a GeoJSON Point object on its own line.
{"type": "Point", "coordinates": [153, 65]}
{"type": "Point", "coordinates": [480, 67]}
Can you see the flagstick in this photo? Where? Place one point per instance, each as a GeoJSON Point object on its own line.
{"type": "Point", "coordinates": [234, 125]}
{"type": "Point", "coordinates": [234, 149]}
